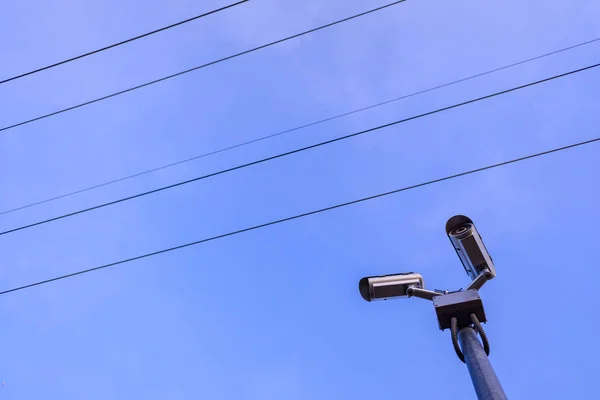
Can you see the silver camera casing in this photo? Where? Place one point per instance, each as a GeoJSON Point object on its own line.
{"type": "Point", "coordinates": [469, 246]}
{"type": "Point", "coordinates": [389, 286]}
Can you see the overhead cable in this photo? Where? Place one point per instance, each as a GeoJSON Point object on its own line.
{"type": "Point", "coordinates": [185, 21]}
{"type": "Point", "coordinates": [331, 118]}
{"type": "Point", "coordinates": [299, 150]}
{"type": "Point", "coordinates": [220, 60]}
{"type": "Point", "coordinates": [298, 216]}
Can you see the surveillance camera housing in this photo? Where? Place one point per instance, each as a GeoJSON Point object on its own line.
{"type": "Point", "coordinates": [389, 286]}
{"type": "Point", "coordinates": [470, 248]}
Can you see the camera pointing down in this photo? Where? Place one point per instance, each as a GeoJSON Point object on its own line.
{"type": "Point", "coordinates": [470, 248]}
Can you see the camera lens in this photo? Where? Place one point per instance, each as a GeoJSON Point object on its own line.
{"type": "Point", "coordinates": [460, 229]}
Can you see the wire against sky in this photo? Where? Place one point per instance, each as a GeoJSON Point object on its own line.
{"type": "Point", "coordinates": [131, 89]}
{"type": "Point", "coordinates": [62, 196]}
{"type": "Point", "coordinates": [306, 214]}
{"type": "Point", "coordinates": [263, 160]}
{"type": "Point", "coordinates": [35, 71]}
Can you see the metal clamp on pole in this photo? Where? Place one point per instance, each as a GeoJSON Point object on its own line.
{"type": "Point", "coordinates": [459, 305]}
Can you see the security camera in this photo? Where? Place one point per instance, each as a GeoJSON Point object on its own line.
{"type": "Point", "coordinates": [389, 286]}
{"type": "Point", "coordinates": [470, 248]}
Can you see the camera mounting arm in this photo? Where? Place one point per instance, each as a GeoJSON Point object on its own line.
{"type": "Point", "coordinates": [481, 279]}
{"type": "Point", "coordinates": [414, 291]}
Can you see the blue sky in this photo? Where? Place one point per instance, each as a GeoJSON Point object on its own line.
{"type": "Point", "coordinates": [275, 313]}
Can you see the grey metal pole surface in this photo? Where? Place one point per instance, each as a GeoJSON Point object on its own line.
{"type": "Point", "coordinates": [486, 383]}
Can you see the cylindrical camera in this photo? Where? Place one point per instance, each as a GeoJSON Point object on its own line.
{"type": "Point", "coordinates": [389, 286]}
{"type": "Point", "coordinates": [469, 246]}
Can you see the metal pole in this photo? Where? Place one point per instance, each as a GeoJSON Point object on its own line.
{"type": "Point", "coordinates": [486, 383]}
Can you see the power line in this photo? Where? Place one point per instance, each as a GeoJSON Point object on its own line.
{"type": "Point", "coordinates": [235, 146]}
{"type": "Point", "coordinates": [131, 89]}
{"type": "Point", "coordinates": [35, 71]}
{"type": "Point", "coordinates": [264, 160]}
{"type": "Point", "coordinates": [306, 214]}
